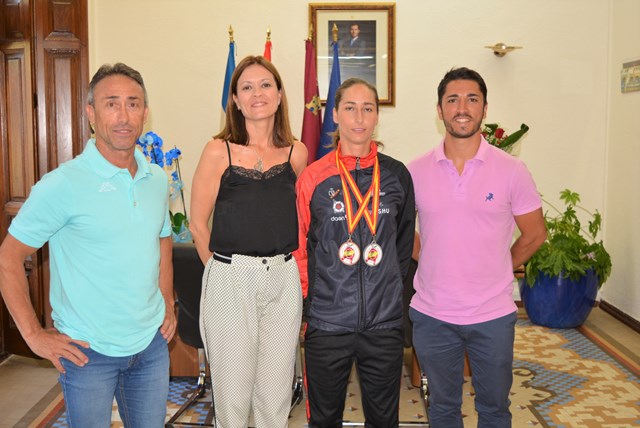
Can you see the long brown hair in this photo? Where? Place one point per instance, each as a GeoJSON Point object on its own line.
{"type": "Point", "coordinates": [235, 130]}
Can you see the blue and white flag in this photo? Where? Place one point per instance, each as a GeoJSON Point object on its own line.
{"type": "Point", "coordinates": [231, 66]}
{"type": "Point", "coordinates": [328, 125]}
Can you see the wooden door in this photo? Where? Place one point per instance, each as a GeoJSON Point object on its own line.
{"type": "Point", "coordinates": [17, 138]}
{"type": "Point", "coordinates": [43, 84]}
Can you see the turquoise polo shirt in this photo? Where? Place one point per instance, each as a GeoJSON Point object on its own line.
{"type": "Point", "coordinates": [103, 227]}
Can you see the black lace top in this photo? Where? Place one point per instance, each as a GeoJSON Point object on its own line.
{"type": "Point", "coordinates": [255, 212]}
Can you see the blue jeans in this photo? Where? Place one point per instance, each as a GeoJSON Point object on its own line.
{"type": "Point", "coordinates": [139, 382]}
{"type": "Point", "coordinates": [440, 348]}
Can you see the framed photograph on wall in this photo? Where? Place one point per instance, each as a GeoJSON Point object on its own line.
{"type": "Point", "coordinates": [366, 44]}
{"type": "Point", "coordinates": [629, 77]}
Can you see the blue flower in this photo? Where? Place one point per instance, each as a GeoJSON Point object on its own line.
{"type": "Point", "coordinates": [154, 139]}
{"type": "Point", "coordinates": [171, 155]}
{"type": "Point", "coordinates": [151, 146]}
{"type": "Point", "coordinates": [157, 157]}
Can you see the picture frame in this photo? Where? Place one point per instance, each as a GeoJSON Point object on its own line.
{"type": "Point", "coordinates": [366, 40]}
{"type": "Point", "coordinates": [630, 77]}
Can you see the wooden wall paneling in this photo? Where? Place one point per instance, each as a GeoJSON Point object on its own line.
{"type": "Point", "coordinates": [61, 75]}
{"type": "Point", "coordinates": [13, 15]}
{"type": "Point", "coordinates": [43, 84]}
{"type": "Point", "coordinates": [17, 146]}
{"type": "Point", "coordinates": [19, 149]}
{"type": "Point", "coordinates": [62, 80]}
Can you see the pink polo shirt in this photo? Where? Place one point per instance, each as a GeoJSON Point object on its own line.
{"type": "Point", "coordinates": [465, 274]}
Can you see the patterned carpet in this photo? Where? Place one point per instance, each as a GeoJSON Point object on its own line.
{"type": "Point", "coordinates": [562, 378]}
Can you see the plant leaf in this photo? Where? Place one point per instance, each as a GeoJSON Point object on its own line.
{"type": "Point", "coordinates": [513, 138]}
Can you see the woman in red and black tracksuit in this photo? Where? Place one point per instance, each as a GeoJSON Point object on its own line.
{"type": "Point", "coordinates": [356, 215]}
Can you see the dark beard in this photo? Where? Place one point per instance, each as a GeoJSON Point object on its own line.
{"type": "Point", "coordinates": [465, 134]}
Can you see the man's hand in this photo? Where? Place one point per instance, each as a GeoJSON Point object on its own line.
{"type": "Point", "coordinates": [168, 328]}
{"type": "Point", "coordinates": [53, 345]}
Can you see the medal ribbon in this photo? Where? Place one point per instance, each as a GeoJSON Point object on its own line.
{"type": "Point", "coordinates": [374, 191]}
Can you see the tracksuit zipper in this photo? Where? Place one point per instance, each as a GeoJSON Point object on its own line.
{"type": "Point", "coordinates": [361, 309]}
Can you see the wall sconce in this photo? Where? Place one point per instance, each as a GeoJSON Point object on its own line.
{"type": "Point", "coordinates": [500, 49]}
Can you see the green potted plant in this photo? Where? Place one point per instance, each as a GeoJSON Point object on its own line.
{"type": "Point", "coordinates": [563, 277]}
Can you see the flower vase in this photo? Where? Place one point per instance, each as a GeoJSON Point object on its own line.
{"type": "Point", "coordinates": [183, 236]}
{"type": "Point", "coordinates": [514, 149]}
{"type": "Point", "coordinates": [559, 302]}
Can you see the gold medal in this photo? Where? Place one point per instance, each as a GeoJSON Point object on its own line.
{"type": "Point", "coordinates": [349, 253]}
{"type": "Point", "coordinates": [373, 254]}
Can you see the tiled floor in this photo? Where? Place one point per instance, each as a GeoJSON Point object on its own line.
{"type": "Point", "coordinates": [24, 382]}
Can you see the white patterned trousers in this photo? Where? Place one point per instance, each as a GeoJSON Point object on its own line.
{"type": "Point", "coordinates": [250, 316]}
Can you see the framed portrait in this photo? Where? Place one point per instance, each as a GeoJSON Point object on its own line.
{"type": "Point", "coordinates": [366, 44]}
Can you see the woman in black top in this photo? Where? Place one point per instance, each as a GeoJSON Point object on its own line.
{"type": "Point", "coordinates": [251, 299]}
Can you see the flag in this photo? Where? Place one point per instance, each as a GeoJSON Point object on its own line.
{"type": "Point", "coordinates": [231, 65]}
{"type": "Point", "coordinates": [311, 120]}
{"type": "Point", "coordinates": [267, 50]}
{"type": "Point", "coordinates": [328, 125]}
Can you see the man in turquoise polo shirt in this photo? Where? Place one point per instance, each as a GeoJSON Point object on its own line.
{"type": "Point", "coordinates": [106, 218]}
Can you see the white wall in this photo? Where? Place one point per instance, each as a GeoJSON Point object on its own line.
{"type": "Point", "coordinates": [623, 175]}
{"type": "Point", "coordinates": [558, 84]}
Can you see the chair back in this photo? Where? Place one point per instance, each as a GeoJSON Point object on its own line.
{"type": "Point", "coordinates": [187, 283]}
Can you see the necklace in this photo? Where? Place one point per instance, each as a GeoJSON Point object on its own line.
{"type": "Point", "coordinates": [258, 166]}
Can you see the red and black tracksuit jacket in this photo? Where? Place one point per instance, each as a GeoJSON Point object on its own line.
{"type": "Point", "coordinates": [354, 298]}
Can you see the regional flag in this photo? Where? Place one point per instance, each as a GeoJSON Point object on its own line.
{"type": "Point", "coordinates": [267, 50]}
{"type": "Point", "coordinates": [311, 120]}
{"type": "Point", "coordinates": [328, 125]}
{"type": "Point", "coordinates": [231, 66]}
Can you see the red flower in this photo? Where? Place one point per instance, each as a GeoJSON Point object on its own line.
{"type": "Point", "coordinates": [499, 133]}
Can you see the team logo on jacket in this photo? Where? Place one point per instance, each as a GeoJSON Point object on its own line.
{"type": "Point", "coordinates": [333, 193]}
{"type": "Point", "coordinates": [338, 206]}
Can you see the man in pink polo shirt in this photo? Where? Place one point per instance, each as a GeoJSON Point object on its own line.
{"type": "Point", "coordinates": [469, 196]}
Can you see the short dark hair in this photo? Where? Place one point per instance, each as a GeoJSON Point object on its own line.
{"type": "Point", "coordinates": [338, 98]}
{"type": "Point", "coordinates": [235, 130]}
{"type": "Point", "coordinates": [461, 73]}
{"type": "Point", "coordinates": [116, 69]}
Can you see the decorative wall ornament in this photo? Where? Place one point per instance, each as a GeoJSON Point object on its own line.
{"type": "Point", "coordinates": [501, 49]}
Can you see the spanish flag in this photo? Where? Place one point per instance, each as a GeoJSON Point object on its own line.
{"type": "Point", "coordinates": [267, 50]}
